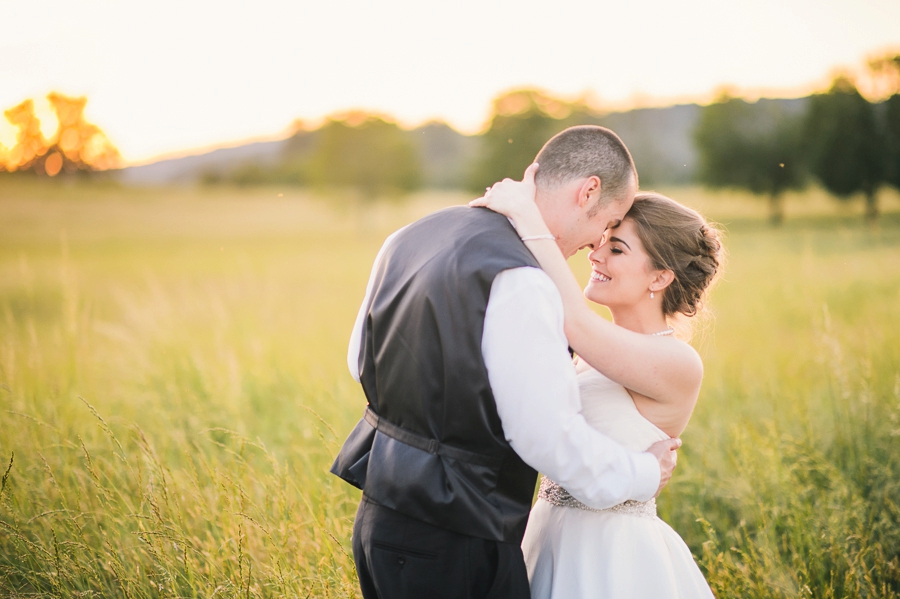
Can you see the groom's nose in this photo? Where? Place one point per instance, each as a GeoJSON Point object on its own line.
{"type": "Point", "coordinates": [599, 245]}
{"type": "Point", "coordinates": [607, 233]}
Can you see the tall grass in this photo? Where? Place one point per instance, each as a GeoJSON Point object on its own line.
{"type": "Point", "coordinates": [173, 390]}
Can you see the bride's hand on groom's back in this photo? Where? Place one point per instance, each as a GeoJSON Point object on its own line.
{"type": "Point", "coordinates": [667, 456]}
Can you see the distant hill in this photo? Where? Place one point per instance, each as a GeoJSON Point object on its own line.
{"type": "Point", "coordinates": [660, 139]}
{"type": "Point", "coordinates": [190, 169]}
{"type": "Point", "coordinates": [445, 154]}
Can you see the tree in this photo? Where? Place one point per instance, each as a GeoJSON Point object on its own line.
{"type": "Point", "coordinates": [846, 150]}
{"type": "Point", "coordinates": [750, 146]}
{"type": "Point", "coordinates": [363, 151]}
{"type": "Point", "coordinates": [81, 145]}
{"type": "Point", "coordinates": [892, 132]}
{"type": "Point", "coordinates": [30, 142]}
{"type": "Point", "coordinates": [885, 73]}
{"type": "Point", "coordinates": [76, 146]}
{"type": "Point", "coordinates": [522, 121]}
{"type": "Point", "coordinates": [289, 168]}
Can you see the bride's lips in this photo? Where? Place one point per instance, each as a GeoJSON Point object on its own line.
{"type": "Point", "coordinates": [599, 277]}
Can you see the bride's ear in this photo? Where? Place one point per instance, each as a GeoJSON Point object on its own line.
{"type": "Point", "coordinates": [662, 280]}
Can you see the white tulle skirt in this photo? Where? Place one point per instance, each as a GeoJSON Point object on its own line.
{"type": "Point", "coordinates": [572, 554]}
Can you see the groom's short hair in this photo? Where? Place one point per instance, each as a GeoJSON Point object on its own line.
{"type": "Point", "coordinates": [584, 151]}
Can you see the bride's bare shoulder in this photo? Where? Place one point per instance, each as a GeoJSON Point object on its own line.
{"type": "Point", "coordinates": [682, 370]}
{"type": "Point", "coordinates": [686, 352]}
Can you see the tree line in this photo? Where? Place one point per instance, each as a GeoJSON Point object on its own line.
{"type": "Point", "coordinates": [350, 150]}
{"type": "Point", "coordinates": [841, 140]}
{"type": "Point", "coordinates": [838, 139]}
{"type": "Point", "coordinates": [374, 154]}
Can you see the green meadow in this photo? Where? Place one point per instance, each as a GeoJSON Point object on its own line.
{"type": "Point", "coordinates": [173, 390]}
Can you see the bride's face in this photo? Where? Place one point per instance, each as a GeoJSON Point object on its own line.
{"type": "Point", "coordinates": [621, 271]}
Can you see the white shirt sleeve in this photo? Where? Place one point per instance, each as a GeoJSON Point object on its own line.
{"type": "Point", "coordinates": [534, 385]}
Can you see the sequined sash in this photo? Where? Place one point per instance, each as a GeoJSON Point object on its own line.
{"type": "Point", "coordinates": [556, 495]}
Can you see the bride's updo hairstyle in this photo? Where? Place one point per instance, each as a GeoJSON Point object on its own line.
{"type": "Point", "coordinates": [677, 238]}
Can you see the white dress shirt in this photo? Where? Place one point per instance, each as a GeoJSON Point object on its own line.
{"type": "Point", "coordinates": [534, 386]}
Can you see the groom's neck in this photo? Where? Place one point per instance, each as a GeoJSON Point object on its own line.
{"type": "Point", "coordinates": [550, 205]}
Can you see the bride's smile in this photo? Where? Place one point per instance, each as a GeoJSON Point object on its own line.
{"type": "Point", "coordinates": [621, 271]}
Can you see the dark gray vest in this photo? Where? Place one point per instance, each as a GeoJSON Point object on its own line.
{"type": "Point", "coordinates": [431, 444]}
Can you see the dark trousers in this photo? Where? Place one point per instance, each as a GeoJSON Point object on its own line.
{"type": "Point", "coordinates": [398, 557]}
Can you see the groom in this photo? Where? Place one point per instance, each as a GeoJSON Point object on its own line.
{"type": "Point", "coordinates": [460, 350]}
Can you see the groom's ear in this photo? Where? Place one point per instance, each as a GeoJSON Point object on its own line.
{"type": "Point", "coordinates": [589, 192]}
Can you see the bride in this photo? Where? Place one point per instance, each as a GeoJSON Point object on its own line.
{"type": "Point", "coordinates": [638, 386]}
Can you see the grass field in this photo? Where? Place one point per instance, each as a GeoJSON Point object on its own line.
{"type": "Point", "coordinates": [173, 390]}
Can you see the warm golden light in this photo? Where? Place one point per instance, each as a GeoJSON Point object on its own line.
{"type": "Point", "coordinates": [190, 75]}
{"type": "Point", "coordinates": [53, 164]}
{"type": "Point", "coordinates": [30, 142]}
{"type": "Point", "coordinates": [76, 145]}
{"type": "Point", "coordinates": [7, 136]}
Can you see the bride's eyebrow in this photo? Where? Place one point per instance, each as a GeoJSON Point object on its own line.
{"type": "Point", "coordinates": [620, 241]}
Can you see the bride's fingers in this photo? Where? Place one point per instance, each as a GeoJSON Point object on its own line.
{"type": "Point", "coordinates": [530, 172]}
{"type": "Point", "coordinates": [482, 201]}
{"type": "Point", "coordinates": [507, 193]}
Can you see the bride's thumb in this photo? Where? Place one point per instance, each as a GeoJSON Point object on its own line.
{"type": "Point", "coordinates": [530, 172]}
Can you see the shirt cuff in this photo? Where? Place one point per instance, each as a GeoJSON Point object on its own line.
{"type": "Point", "coordinates": [646, 479]}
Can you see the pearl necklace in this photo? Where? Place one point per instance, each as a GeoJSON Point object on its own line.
{"type": "Point", "coordinates": [668, 331]}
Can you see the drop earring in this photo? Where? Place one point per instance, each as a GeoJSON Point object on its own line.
{"type": "Point", "coordinates": [651, 295]}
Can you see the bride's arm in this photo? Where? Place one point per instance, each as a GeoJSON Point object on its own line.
{"type": "Point", "coordinates": [664, 369]}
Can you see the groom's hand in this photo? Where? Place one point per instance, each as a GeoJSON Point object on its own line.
{"type": "Point", "coordinates": [664, 452]}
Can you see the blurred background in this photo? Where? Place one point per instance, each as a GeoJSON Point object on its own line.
{"type": "Point", "coordinates": [396, 98]}
{"type": "Point", "coordinates": [191, 196]}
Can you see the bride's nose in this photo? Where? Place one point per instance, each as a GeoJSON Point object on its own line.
{"type": "Point", "coordinates": [596, 254]}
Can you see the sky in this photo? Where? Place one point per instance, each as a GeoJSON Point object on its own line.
{"type": "Point", "coordinates": [174, 76]}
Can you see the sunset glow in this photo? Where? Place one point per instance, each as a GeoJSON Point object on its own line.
{"type": "Point", "coordinates": [171, 76]}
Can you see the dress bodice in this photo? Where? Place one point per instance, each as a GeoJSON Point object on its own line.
{"type": "Point", "coordinates": [622, 552]}
{"type": "Point", "coordinates": [608, 408]}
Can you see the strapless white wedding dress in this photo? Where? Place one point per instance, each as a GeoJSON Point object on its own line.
{"type": "Point", "coordinates": [626, 552]}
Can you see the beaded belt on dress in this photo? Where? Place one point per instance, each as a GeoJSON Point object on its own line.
{"type": "Point", "coordinates": [553, 493]}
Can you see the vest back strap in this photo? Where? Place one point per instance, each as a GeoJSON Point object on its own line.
{"type": "Point", "coordinates": [432, 446]}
